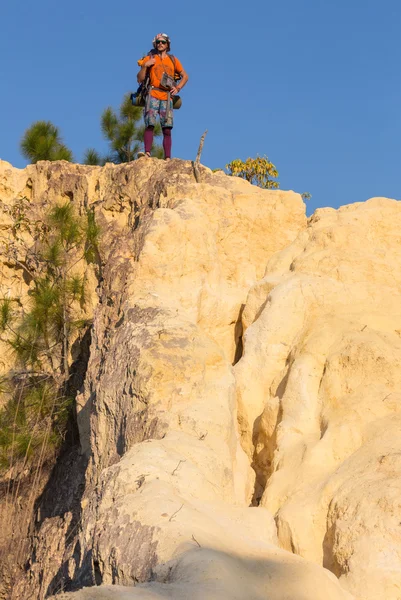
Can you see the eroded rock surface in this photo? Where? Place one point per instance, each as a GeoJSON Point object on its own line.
{"type": "Point", "coordinates": [217, 464]}
{"type": "Point", "coordinates": [319, 394]}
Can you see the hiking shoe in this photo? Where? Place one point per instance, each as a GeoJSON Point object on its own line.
{"type": "Point", "coordinates": [142, 154]}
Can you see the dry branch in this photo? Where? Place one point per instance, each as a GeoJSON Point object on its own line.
{"type": "Point", "coordinates": [176, 512]}
{"type": "Point", "coordinates": [181, 461]}
{"type": "Point", "coordinates": [196, 162]}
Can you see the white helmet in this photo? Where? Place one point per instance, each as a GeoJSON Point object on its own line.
{"type": "Point", "coordinates": [163, 36]}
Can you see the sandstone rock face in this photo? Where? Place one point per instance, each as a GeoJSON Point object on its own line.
{"type": "Point", "coordinates": [238, 421]}
{"type": "Point", "coordinates": [319, 394]}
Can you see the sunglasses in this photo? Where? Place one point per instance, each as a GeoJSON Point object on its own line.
{"type": "Point", "coordinates": [161, 42]}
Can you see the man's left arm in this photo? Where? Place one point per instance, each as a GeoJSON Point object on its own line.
{"type": "Point", "coordinates": [184, 79]}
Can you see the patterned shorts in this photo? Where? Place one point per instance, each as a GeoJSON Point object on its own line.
{"type": "Point", "coordinates": [158, 107]}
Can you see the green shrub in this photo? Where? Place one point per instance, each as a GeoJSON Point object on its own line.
{"type": "Point", "coordinates": [259, 171]}
{"type": "Point", "coordinates": [37, 399]}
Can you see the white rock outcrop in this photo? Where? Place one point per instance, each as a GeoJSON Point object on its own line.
{"type": "Point", "coordinates": [319, 391]}
{"type": "Point", "coordinates": [240, 412]}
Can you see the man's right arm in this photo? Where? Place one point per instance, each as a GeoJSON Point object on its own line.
{"type": "Point", "coordinates": [141, 74]}
{"type": "Point", "coordinates": [147, 63]}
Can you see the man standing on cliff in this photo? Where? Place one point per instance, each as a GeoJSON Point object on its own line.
{"type": "Point", "coordinates": [162, 69]}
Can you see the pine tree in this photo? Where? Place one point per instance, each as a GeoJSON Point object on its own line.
{"type": "Point", "coordinates": [124, 134]}
{"type": "Point", "coordinates": [42, 141]}
{"type": "Point", "coordinates": [38, 392]}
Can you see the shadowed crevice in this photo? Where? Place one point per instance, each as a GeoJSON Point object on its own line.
{"type": "Point", "coordinates": [238, 332]}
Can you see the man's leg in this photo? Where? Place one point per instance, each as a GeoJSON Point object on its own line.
{"type": "Point", "coordinates": [148, 139]}
{"type": "Point", "coordinates": [150, 116]}
{"type": "Point", "coordinates": [167, 125]}
{"type": "Point", "coordinates": [167, 141]}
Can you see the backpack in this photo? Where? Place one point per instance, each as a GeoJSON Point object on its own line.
{"type": "Point", "coordinates": [140, 96]}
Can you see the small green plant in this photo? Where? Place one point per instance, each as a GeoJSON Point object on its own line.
{"type": "Point", "coordinates": [306, 196]}
{"type": "Point", "coordinates": [38, 399]}
{"type": "Point", "coordinates": [259, 171]}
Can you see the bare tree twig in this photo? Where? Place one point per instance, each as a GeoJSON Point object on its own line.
{"type": "Point", "coordinates": [181, 461]}
{"type": "Point", "coordinates": [196, 162]}
{"type": "Point", "coordinates": [202, 141]}
{"type": "Point", "coordinates": [196, 541]}
{"type": "Point", "coordinates": [176, 512]}
{"type": "Point", "coordinates": [25, 268]}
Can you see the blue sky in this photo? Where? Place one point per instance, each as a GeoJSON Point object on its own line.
{"type": "Point", "coordinates": [315, 85]}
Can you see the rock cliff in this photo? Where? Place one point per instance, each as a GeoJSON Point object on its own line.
{"type": "Point", "coordinates": [239, 413]}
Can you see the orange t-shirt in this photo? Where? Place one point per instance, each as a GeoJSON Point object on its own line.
{"type": "Point", "coordinates": [162, 65]}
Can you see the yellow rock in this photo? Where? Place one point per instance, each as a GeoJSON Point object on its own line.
{"type": "Point", "coordinates": [240, 411]}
